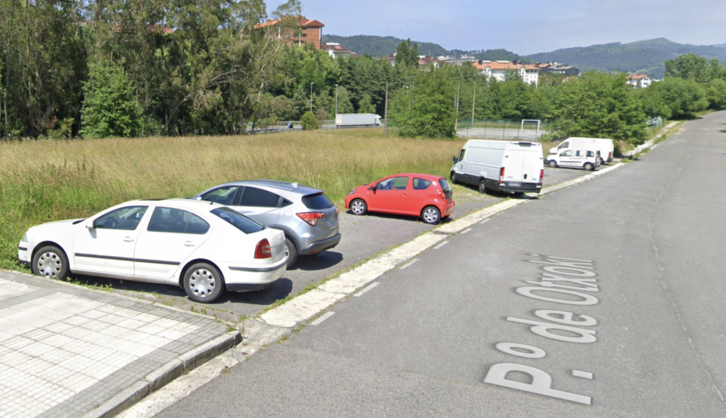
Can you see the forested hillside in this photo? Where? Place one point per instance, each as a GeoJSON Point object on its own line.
{"type": "Point", "coordinates": [380, 46]}
{"type": "Point", "coordinates": [646, 57]}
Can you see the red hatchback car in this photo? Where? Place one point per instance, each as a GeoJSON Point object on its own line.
{"type": "Point", "coordinates": [424, 195]}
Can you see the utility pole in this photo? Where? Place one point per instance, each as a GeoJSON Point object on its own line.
{"type": "Point", "coordinates": [385, 111]}
{"type": "Point", "coordinates": [311, 97]}
{"type": "Point", "coordinates": [473, 106]}
{"type": "Point", "coordinates": [456, 105]}
{"type": "Point", "coordinates": [336, 106]}
{"type": "Point", "coordinates": [7, 75]}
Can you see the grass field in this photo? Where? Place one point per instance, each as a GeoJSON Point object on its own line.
{"type": "Point", "coordinates": [42, 181]}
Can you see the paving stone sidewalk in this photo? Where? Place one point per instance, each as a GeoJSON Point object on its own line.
{"type": "Point", "coordinates": [67, 351]}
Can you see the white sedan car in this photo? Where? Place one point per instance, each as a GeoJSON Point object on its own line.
{"type": "Point", "coordinates": [204, 247]}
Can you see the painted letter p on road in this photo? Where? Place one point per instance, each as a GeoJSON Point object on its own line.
{"type": "Point", "coordinates": [541, 382]}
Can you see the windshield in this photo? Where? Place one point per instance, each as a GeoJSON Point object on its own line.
{"type": "Point", "coordinates": [239, 221]}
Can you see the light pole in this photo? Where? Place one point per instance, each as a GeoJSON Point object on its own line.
{"type": "Point", "coordinates": [311, 97]}
{"type": "Point", "coordinates": [336, 106]}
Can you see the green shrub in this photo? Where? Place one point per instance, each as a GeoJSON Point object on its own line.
{"type": "Point", "coordinates": [309, 121]}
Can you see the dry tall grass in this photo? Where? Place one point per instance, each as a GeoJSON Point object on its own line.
{"type": "Point", "coordinates": [42, 181]}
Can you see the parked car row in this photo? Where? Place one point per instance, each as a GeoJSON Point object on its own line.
{"type": "Point", "coordinates": [243, 235]}
{"type": "Point", "coordinates": [238, 236]}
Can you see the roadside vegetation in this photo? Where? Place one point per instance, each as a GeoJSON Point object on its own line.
{"type": "Point", "coordinates": [42, 181]}
{"type": "Point", "coordinates": [106, 69]}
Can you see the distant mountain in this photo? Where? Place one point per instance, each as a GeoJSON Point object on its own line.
{"type": "Point", "coordinates": [646, 57]}
{"type": "Point", "coordinates": [380, 46]}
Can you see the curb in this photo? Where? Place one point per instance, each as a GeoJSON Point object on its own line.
{"type": "Point", "coordinates": [281, 321]}
{"type": "Point", "coordinates": [165, 374]}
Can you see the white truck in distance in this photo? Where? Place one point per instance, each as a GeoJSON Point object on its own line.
{"type": "Point", "coordinates": [602, 146]}
{"type": "Point", "coordinates": [350, 120]}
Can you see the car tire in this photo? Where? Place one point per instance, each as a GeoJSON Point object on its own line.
{"type": "Point", "coordinates": [431, 215]}
{"type": "Point", "coordinates": [453, 178]}
{"type": "Point", "coordinates": [291, 251]}
{"type": "Point", "coordinates": [482, 186]}
{"type": "Point", "coordinates": [589, 167]}
{"type": "Point", "coordinates": [50, 261]}
{"type": "Point", "coordinates": [358, 207]}
{"type": "Point", "coordinates": [552, 163]}
{"type": "Point", "coordinates": [203, 283]}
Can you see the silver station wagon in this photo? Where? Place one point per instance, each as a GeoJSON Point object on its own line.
{"type": "Point", "coordinates": [308, 218]}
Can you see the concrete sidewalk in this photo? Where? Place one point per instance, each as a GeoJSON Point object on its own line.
{"type": "Point", "coordinates": [67, 351]}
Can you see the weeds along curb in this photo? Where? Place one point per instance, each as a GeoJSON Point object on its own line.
{"type": "Point", "coordinates": [279, 322]}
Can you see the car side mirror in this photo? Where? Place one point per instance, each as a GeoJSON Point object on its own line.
{"type": "Point", "coordinates": [91, 225]}
{"type": "Point", "coordinates": [454, 159]}
{"type": "Point", "coordinates": [198, 198]}
{"type": "Point", "coordinates": [374, 187]}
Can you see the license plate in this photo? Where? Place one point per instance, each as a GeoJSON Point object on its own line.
{"type": "Point", "coordinates": [514, 184]}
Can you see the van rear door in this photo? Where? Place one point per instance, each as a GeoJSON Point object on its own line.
{"type": "Point", "coordinates": [523, 163]}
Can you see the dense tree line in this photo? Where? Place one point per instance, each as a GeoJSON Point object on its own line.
{"type": "Point", "coordinates": [71, 68]}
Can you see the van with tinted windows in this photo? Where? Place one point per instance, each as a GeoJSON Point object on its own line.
{"type": "Point", "coordinates": [505, 166]}
{"type": "Point", "coordinates": [574, 158]}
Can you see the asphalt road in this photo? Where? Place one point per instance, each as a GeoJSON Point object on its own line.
{"type": "Point", "coordinates": [362, 238]}
{"type": "Point", "coordinates": [471, 329]}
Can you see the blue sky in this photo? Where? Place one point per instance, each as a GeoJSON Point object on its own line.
{"type": "Point", "coordinates": [524, 26]}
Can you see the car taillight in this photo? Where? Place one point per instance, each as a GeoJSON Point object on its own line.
{"type": "Point", "coordinates": [541, 175]}
{"type": "Point", "coordinates": [610, 156]}
{"type": "Point", "coordinates": [501, 174]}
{"type": "Point", "coordinates": [263, 249]}
{"type": "Point", "coordinates": [311, 217]}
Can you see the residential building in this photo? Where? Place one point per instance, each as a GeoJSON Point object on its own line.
{"type": "Point", "coordinates": [501, 69]}
{"type": "Point", "coordinates": [457, 61]}
{"type": "Point", "coordinates": [309, 31]}
{"type": "Point", "coordinates": [427, 60]}
{"type": "Point", "coordinates": [336, 50]}
{"type": "Point", "coordinates": [557, 68]}
{"type": "Point", "coordinates": [639, 80]}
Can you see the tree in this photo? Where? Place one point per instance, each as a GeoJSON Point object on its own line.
{"type": "Point", "coordinates": [344, 104]}
{"type": "Point", "coordinates": [683, 97]}
{"type": "Point", "coordinates": [365, 105]}
{"type": "Point", "coordinates": [407, 55]}
{"type": "Point", "coordinates": [599, 105]}
{"type": "Point", "coordinates": [109, 108]}
{"type": "Point", "coordinates": [309, 121]}
{"type": "Point", "coordinates": [431, 113]}
{"type": "Point", "coordinates": [692, 67]}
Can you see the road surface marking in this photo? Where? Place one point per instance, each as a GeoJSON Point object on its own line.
{"type": "Point", "coordinates": [409, 264]}
{"type": "Point", "coordinates": [584, 375]}
{"type": "Point", "coordinates": [441, 245]}
{"type": "Point", "coordinates": [359, 294]}
{"type": "Point", "coordinates": [323, 318]}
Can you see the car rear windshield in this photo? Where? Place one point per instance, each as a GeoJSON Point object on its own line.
{"type": "Point", "coordinates": [445, 185]}
{"type": "Point", "coordinates": [239, 221]}
{"type": "Point", "coordinates": [317, 201]}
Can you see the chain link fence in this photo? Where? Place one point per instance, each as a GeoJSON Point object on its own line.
{"type": "Point", "coordinates": [529, 130]}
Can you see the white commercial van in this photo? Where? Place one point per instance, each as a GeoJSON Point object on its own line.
{"type": "Point", "coordinates": [574, 158]}
{"type": "Point", "coordinates": [602, 146]}
{"type": "Point", "coordinates": [505, 166]}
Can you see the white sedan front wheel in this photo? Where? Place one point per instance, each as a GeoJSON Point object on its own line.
{"type": "Point", "coordinates": [50, 261]}
{"type": "Point", "coordinates": [203, 283]}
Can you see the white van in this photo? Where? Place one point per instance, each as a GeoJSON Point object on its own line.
{"type": "Point", "coordinates": [600, 145]}
{"type": "Point", "coordinates": [574, 158]}
{"type": "Point", "coordinates": [505, 166]}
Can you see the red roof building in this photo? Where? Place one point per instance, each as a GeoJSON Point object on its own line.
{"type": "Point", "coordinates": [311, 31]}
